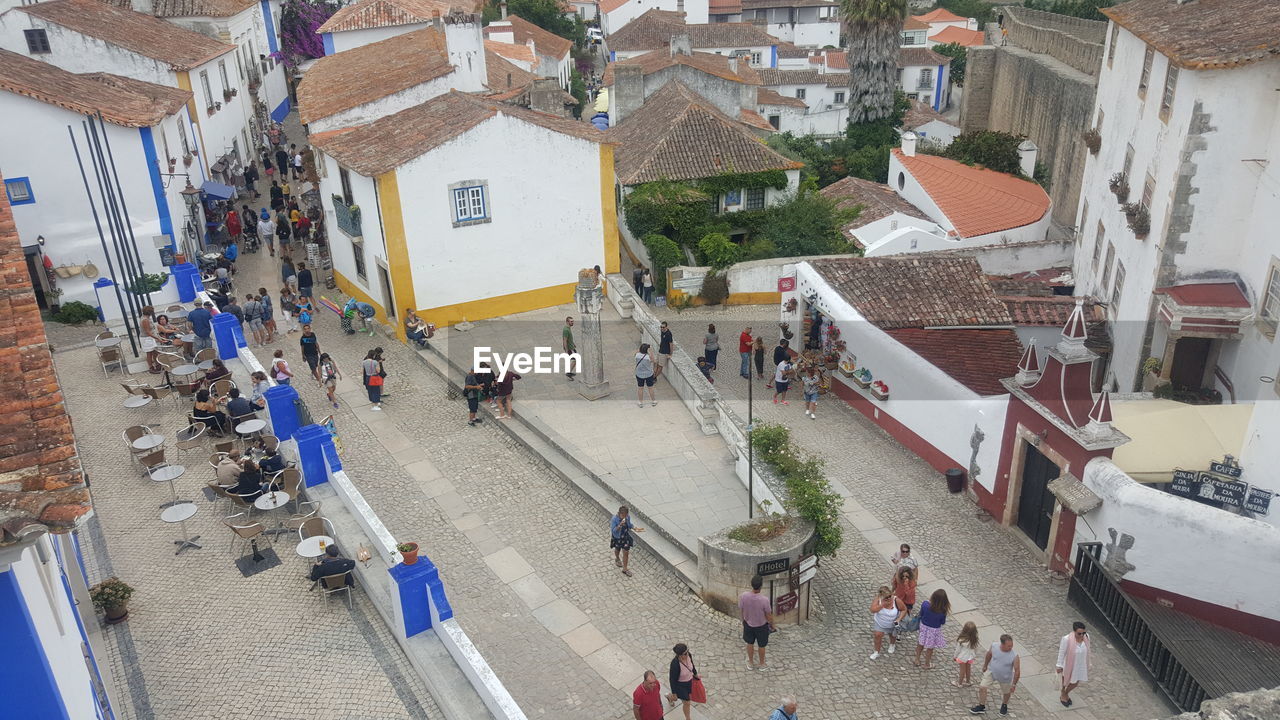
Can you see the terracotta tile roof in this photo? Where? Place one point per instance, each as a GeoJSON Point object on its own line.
{"type": "Point", "coordinates": [912, 23]}
{"type": "Point", "coordinates": [123, 101]}
{"type": "Point", "coordinates": [877, 201]}
{"type": "Point", "coordinates": [724, 7]}
{"type": "Point", "coordinates": [365, 14]}
{"type": "Point", "coordinates": [504, 75]}
{"type": "Point", "coordinates": [977, 201]}
{"type": "Point", "coordinates": [959, 35]}
{"type": "Point", "coordinates": [608, 6]}
{"type": "Point", "coordinates": [939, 15]}
{"type": "Point", "coordinates": [751, 118]}
{"type": "Point", "coordinates": [145, 35]}
{"type": "Point", "coordinates": [519, 53]}
{"type": "Point", "coordinates": [775, 77]}
{"type": "Point", "coordinates": [1219, 295]}
{"type": "Point", "coordinates": [787, 50]}
{"type": "Point", "coordinates": [41, 483]}
{"type": "Point", "coordinates": [710, 63]}
{"type": "Point", "coordinates": [655, 28]}
{"type": "Point", "coordinates": [916, 291]}
{"type": "Point", "coordinates": [833, 59]}
{"type": "Point", "coordinates": [391, 141]}
{"type": "Point", "coordinates": [199, 8]}
{"type": "Point", "coordinates": [361, 75]}
{"type": "Point", "coordinates": [1051, 311]}
{"type": "Point", "coordinates": [765, 96]}
{"type": "Point", "coordinates": [1206, 33]}
{"type": "Point", "coordinates": [1032, 283]}
{"type": "Point", "coordinates": [977, 359]}
{"type": "Point", "coordinates": [920, 57]}
{"type": "Point", "coordinates": [547, 43]}
{"type": "Point", "coordinates": [763, 4]}
{"type": "Point", "coordinates": [678, 135]}
{"type": "Point", "coordinates": [919, 114]}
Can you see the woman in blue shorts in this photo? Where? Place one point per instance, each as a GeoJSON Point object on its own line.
{"type": "Point", "coordinates": [645, 375]}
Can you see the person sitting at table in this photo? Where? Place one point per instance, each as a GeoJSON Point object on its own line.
{"type": "Point", "coordinates": [229, 469]}
{"type": "Point", "coordinates": [250, 481]}
{"type": "Point", "coordinates": [215, 373]}
{"type": "Point", "coordinates": [272, 462]}
{"type": "Point", "coordinates": [260, 388]}
{"type": "Point", "coordinates": [332, 564]}
{"type": "Point", "coordinates": [166, 333]}
{"type": "Point", "coordinates": [205, 410]}
{"type": "Point", "coordinates": [238, 407]}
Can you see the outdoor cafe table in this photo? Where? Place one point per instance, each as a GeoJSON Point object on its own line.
{"type": "Point", "coordinates": [148, 442]}
{"type": "Point", "coordinates": [107, 342]}
{"type": "Point", "coordinates": [272, 501]}
{"type": "Point", "coordinates": [310, 547]}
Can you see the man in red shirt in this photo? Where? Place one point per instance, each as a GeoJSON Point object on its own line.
{"type": "Point", "coordinates": [744, 349]}
{"type": "Point", "coordinates": [647, 699]}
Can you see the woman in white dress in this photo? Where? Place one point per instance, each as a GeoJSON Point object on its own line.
{"type": "Point", "coordinates": [1073, 661]}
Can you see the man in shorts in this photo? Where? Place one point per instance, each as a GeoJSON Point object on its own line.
{"type": "Point", "coordinates": [1001, 669]}
{"type": "Point", "coordinates": [811, 380]}
{"type": "Point", "coordinates": [310, 346]}
{"type": "Point", "coordinates": [782, 381]}
{"type": "Point", "coordinates": [757, 622]}
{"type": "Point", "coordinates": [664, 347]}
{"type": "Point", "coordinates": [471, 391]}
{"type": "Point", "coordinates": [253, 316]}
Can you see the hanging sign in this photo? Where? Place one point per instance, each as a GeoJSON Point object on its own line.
{"type": "Point", "coordinates": [1258, 501]}
{"type": "Point", "coordinates": [786, 603]}
{"type": "Point", "coordinates": [786, 284]}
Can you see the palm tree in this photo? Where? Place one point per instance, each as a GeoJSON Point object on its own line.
{"type": "Point", "coordinates": [873, 30]}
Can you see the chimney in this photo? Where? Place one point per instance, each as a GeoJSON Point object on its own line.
{"type": "Point", "coordinates": [628, 91]}
{"type": "Point", "coordinates": [546, 96]}
{"type": "Point", "coordinates": [909, 140]}
{"type": "Point", "coordinates": [733, 64]}
{"type": "Point", "coordinates": [465, 45]}
{"type": "Point", "coordinates": [502, 8]}
{"type": "Point", "coordinates": [680, 45]}
{"type": "Point", "coordinates": [146, 7]}
{"type": "Point", "coordinates": [1027, 152]}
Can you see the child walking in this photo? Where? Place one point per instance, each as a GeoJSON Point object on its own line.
{"type": "Point", "coordinates": [966, 653]}
{"type": "Point", "coordinates": [329, 375]}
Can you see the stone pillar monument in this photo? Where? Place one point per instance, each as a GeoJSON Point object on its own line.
{"type": "Point", "coordinates": [590, 296]}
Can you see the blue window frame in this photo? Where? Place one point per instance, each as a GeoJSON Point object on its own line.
{"type": "Point", "coordinates": [19, 191]}
{"type": "Point", "coordinates": [470, 203]}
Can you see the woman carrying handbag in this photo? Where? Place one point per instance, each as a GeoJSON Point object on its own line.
{"type": "Point", "coordinates": [686, 684]}
{"type": "Point", "coordinates": [373, 378]}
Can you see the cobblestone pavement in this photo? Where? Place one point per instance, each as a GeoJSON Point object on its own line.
{"type": "Point", "coordinates": [526, 565]}
{"type": "Point", "coordinates": [202, 641]}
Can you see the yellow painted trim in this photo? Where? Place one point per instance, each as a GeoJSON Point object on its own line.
{"type": "Point", "coordinates": [756, 298]}
{"type": "Point", "coordinates": [393, 234]}
{"type": "Point", "coordinates": [609, 210]}
{"type": "Point", "coordinates": [184, 82]}
{"type": "Point", "coordinates": [500, 305]}
{"type": "Point", "coordinates": [356, 292]}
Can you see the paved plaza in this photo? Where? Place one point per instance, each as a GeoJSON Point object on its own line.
{"type": "Point", "coordinates": [524, 556]}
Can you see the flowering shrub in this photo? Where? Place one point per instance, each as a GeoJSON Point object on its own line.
{"type": "Point", "coordinates": [809, 492]}
{"type": "Point", "coordinates": [298, 22]}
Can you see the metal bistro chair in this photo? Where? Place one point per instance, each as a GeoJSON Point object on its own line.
{"type": "Point", "coordinates": [306, 511]}
{"type": "Point", "coordinates": [184, 391]}
{"type": "Point", "coordinates": [219, 492]}
{"type": "Point", "coordinates": [190, 438]}
{"type": "Point", "coordinates": [313, 526]}
{"type": "Point", "coordinates": [207, 355]}
{"type": "Point", "coordinates": [128, 435]}
{"type": "Point", "coordinates": [157, 393]}
{"type": "Point", "coordinates": [331, 584]}
{"type": "Point", "coordinates": [152, 459]}
{"type": "Point", "coordinates": [242, 528]}
{"type": "Point", "coordinates": [270, 442]}
{"type": "Point", "coordinates": [104, 335]}
{"type": "Point", "coordinates": [111, 356]}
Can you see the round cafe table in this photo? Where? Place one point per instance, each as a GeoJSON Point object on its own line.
{"type": "Point", "coordinates": [248, 428]}
{"type": "Point", "coordinates": [181, 513]}
{"type": "Point", "coordinates": [148, 442]}
{"type": "Point", "coordinates": [205, 365]}
{"type": "Point", "coordinates": [107, 342]}
{"type": "Point", "coordinates": [169, 473]}
{"type": "Point", "coordinates": [187, 337]}
{"type": "Point", "coordinates": [136, 401]}
{"type": "Point", "coordinates": [184, 370]}
{"type": "Point", "coordinates": [272, 501]}
{"type": "Point", "coordinates": [310, 548]}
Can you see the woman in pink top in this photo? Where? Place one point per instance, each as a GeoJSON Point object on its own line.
{"type": "Point", "coordinates": [681, 676]}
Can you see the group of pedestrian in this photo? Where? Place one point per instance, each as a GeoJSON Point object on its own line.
{"type": "Point", "coordinates": [642, 283]}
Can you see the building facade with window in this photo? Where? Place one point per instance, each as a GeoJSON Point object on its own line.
{"type": "Point", "coordinates": [806, 23]}
{"type": "Point", "coordinates": [656, 29]}
{"type": "Point", "coordinates": [145, 125]}
{"type": "Point", "coordinates": [1186, 253]}
{"type": "Point", "coordinates": [463, 208]}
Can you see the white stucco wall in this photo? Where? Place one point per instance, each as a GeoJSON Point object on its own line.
{"type": "Point", "coordinates": [342, 248]}
{"type": "Point", "coordinates": [1233, 208]}
{"type": "Point", "coordinates": [544, 206]}
{"type": "Point", "coordinates": [388, 105]}
{"type": "Point", "coordinates": [79, 53]}
{"type": "Point", "coordinates": [348, 39]}
{"type": "Point", "coordinates": [929, 95]}
{"type": "Point", "coordinates": [55, 622]}
{"type": "Point", "coordinates": [806, 34]}
{"type": "Point", "coordinates": [922, 397]}
{"type": "Point", "coordinates": [936, 131]}
{"type": "Point", "coordinates": [228, 124]}
{"type": "Point", "coordinates": [1184, 547]}
{"type": "Point", "coordinates": [611, 22]}
{"type": "Point", "coordinates": [829, 122]}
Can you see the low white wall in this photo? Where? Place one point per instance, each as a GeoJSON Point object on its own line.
{"type": "Point", "coordinates": [1184, 547]}
{"type": "Point", "coordinates": [758, 276]}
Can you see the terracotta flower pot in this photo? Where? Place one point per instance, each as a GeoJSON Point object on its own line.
{"type": "Point", "coordinates": [117, 614]}
{"type": "Point", "coordinates": [410, 556]}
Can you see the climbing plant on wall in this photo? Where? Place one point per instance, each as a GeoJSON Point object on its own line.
{"type": "Point", "coordinates": [298, 22]}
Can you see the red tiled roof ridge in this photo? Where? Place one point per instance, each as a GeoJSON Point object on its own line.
{"type": "Point", "coordinates": [546, 42]}
{"type": "Point", "coordinates": [939, 15]}
{"type": "Point", "coordinates": [977, 358]}
{"type": "Point", "coordinates": [368, 14]}
{"type": "Point", "coordinates": [977, 201]}
{"type": "Point", "coordinates": [122, 101]}
{"type": "Point", "coordinates": [959, 35]}
{"type": "Point", "coordinates": [1205, 34]}
{"type": "Point", "coordinates": [710, 63]}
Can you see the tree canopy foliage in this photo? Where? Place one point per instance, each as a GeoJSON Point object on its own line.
{"type": "Point", "coordinates": [959, 55]}
{"type": "Point", "coordinates": [546, 14]}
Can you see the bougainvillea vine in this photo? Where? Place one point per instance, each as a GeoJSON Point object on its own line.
{"type": "Point", "coordinates": [298, 22]}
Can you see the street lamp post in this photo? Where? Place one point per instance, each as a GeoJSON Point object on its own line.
{"type": "Point", "coordinates": [751, 469]}
{"type": "Point", "coordinates": [191, 197]}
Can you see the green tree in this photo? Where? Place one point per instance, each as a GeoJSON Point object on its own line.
{"type": "Point", "coordinates": [578, 89]}
{"type": "Point", "coordinates": [1087, 9]}
{"type": "Point", "coordinates": [980, 10]}
{"type": "Point", "coordinates": [872, 30]}
{"type": "Point", "coordinates": [663, 254]}
{"type": "Point", "coordinates": [991, 149]}
{"type": "Point", "coordinates": [546, 14]}
{"type": "Point", "coordinates": [808, 223]}
{"type": "Point", "coordinates": [959, 55]}
{"type": "Point", "coordinates": [718, 251]}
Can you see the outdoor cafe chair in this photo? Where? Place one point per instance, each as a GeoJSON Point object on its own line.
{"type": "Point", "coordinates": [242, 528]}
{"type": "Point", "coordinates": [330, 584]}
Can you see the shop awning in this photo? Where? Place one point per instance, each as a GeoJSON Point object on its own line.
{"type": "Point", "coordinates": [602, 100]}
{"type": "Point", "coordinates": [1167, 436]}
{"type": "Point", "coordinates": [1204, 309]}
{"type": "Point", "coordinates": [217, 190]}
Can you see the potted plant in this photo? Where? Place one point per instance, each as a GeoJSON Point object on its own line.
{"type": "Point", "coordinates": [862, 377]}
{"type": "Point", "coordinates": [790, 306]}
{"type": "Point", "coordinates": [848, 365]}
{"type": "Point", "coordinates": [1139, 219]}
{"type": "Point", "coordinates": [226, 95]}
{"type": "Point", "coordinates": [1119, 185]}
{"type": "Point", "coordinates": [1151, 368]}
{"type": "Point", "coordinates": [409, 551]}
{"type": "Point", "coordinates": [880, 390]}
{"type": "Point", "coordinates": [112, 595]}
{"type": "Point", "coordinates": [831, 360]}
{"type": "Point", "coordinates": [1093, 141]}
{"type": "Point", "coordinates": [51, 295]}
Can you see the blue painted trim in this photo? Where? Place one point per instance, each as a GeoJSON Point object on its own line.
{"type": "Point", "coordinates": [613, 56]}
{"type": "Point", "coordinates": [328, 43]}
{"type": "Point", "coordinates": [271, 27]}
{"type": "Point", "coordinates": [84, 637]}
{"type": "Point", "coordinates": [282, 411]}
{"type": "Point", "coordinates": [937, 95]}
{"type": "Point", "coordinates": [157, 185]}
{"type": "Point", "coordinates": [773, 56]}
{"type": "Point", "coordinates": [281, 111]}
{"type": "Point", "coordinates": [31, 196]}
{"type": "Point", "coordinates": [422, 598]}
{"type": "Point", "coordinates": [311, 441]}
{"type": "Point", "coordinates": [26, 680]}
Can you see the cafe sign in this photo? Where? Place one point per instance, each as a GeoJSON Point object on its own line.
{"type": "Point", "coordinates": [1221, 485]}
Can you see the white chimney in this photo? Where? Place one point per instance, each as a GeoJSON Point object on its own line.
{"type": "Point", "coordinates": [733, 64]}
{"type": "Point", "coordinates": [680, 45]}
{"type": "Point", "coordinates": [1027, 152]}
{"type": "Point", "coordinates": [502, 7]}
{"type": "Point", "coordinates": [462, 37]}
{"type": "Point", "coordinates": [146, 7]}
{"type": "Point", "coordinates": [909, 140]}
